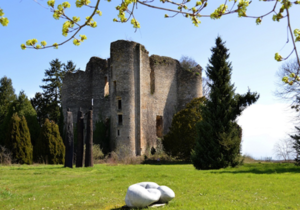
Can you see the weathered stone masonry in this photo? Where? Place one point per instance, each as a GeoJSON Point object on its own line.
{"type": "Point", "coordinates": [139, 93]}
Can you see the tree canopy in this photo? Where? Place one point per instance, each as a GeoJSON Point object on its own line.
{"type": "Point", "coordinates": [195, 10]}
{"type": "Point", "coordinates": [22, 107]}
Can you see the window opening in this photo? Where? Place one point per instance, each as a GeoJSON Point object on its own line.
{"type": "Point", "coordinates": [152, 81]}
{"type": "Point", "coordinates": [119, 104]}
{"type": "Point", "coordinates": [118, 132]}
{"type": "Point", "coordinates": [159, 126]}
{"type": "Point", "coordinates": [106, 87]}
{"type": "Point", "coordinates": [115, 86]}
{"type": "Point", "coordinates": [120, 119]}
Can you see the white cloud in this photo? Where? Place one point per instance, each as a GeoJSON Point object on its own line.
{"type": "Point", "coordinates": [263, 125]}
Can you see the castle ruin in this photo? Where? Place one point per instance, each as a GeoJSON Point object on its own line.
{"type": "Point", "coordinates": [140, 94]}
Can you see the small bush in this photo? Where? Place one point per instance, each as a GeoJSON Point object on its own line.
{"type": "Point", "coordinates": [5, 156]}
{"type": "Point", "coordinates": [97, 153]}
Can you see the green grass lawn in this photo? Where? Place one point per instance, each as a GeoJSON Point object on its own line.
{"type": "Point", "coordinates": [252, 186]}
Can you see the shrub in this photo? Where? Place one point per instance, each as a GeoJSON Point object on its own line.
{"type": "Point", "coordinates": [5, 156]}
{"type": "Point", "coordinates": [181, 138]}
{"type": "Point", "coordinates": [101, 134]}
{"type": "Point", "coordinates": [50, 148]}
{"type": "Point", "coordinates": [18, 140]}
{"type": "Point", "coordinates": [187, 63]}
{"type": "Point", "coordinates": [97, 153]}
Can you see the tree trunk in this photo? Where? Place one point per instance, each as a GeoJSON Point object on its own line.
{"type": "Point", "coordinates": [80, 128]}
{"type": "Point", "coordinates": [69, 141]}
{"type": "Point", "coordinates": [89, 140]}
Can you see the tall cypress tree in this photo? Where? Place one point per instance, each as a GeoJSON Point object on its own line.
{"type": "Point", "coordinates": [49, 147]}
{"type": "Point", "coordinates": [18, 140]}
{"type": "Point", "coordinates": [218, 135]}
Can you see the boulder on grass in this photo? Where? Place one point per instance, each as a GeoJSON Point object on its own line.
{"type": "Point", "coordinates": [144, 194]}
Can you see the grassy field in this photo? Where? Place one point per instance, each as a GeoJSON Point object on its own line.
{"type": "Point", "coordinates": [252, 186]}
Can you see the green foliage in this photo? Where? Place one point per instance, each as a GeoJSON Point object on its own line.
{"type": "Point", "coordinates": [7, 96]}
{"type": "Point", "coordinates": [39, 103]}
{"type": "Point", "coordinates": [97, 153]}
{"type": "Point", "coordinates": [218, 135]}
{"type": "Point", "coordinates": [187, 63]}
{"type": "Point", "coordinates": [23, 107]}
{"type": "Point", "coordinates": [61, 124]}
{"type": "Point", "coordinates": [101, 134]}
{"type": "Point", "coordinates": [48, 103]}
{"type": "Point", "coordinates": [296, 145]}
{"type": "Point", "coordinates": [52, 89]}
{"type": "Point", "coordinates": [180, 140]}
{"type": "Point", "coordinates": [18, 140]}
{"type": "Point", "coordinates": [50, 147]}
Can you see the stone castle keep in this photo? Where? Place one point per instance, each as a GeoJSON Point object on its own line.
{"type": "Point", "coordinates": [140, 94]}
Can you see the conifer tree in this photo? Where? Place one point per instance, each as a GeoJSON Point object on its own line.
{"type": "Point", "coordinates": [23, 107]}
{"type": "Point", "coordinates": [52, 88]}
{"type": "Point", "coordinates": [48, 103]}
{"type": "Point", "coordinates": [39, 103]}
{"type": "Point", "coordinates": [50, 148]}
{"type": "Point", "coordinates": [18, 140]}
{"type": "Point", "coordinates": [7, 96]}
{"type": "Point", "coordinates": [218, 135]}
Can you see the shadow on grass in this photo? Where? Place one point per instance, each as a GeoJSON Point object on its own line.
{"type": "Point", "coordinates": [35, 168]}
{"type": "Point", "coordinates": [155, 205]}
{"type": "Point", "coordinates": [274, 168]}
{"type": "Point", "coordinates": [158, 162]}
{"type": "Point", "coordinates": [127, 208]}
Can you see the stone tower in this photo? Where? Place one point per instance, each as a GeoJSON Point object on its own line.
{"type": "Point", "coordinates": [140, 94]}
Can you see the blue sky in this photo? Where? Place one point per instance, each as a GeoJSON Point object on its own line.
{"type": "Point", "coordinates": [252, 49]}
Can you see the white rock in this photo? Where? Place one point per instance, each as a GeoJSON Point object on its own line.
{"type": "Point", "coordinates": [166, 194]}
{"type": "Point", "coordinates": [138, 196]}
{"type": "Point", "coordinates": [148, 185]}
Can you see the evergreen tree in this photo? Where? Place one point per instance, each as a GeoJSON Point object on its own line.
{"type": "Point", "coordinates": [50, 101]}
{"type": "Point", "coordinates": [296, 146]}
{"type": "Point", "coordinates": [50, 147]}
{"type": "Point", "coordinates": [22, 107]}
{"type": "Point", "coordinates": [180, 140]}
{"type": "Point", "coordinates": [18, 140]}
{"type": "Point", "coordinates": [40, 105]}
{"type": "Point", "coordinates": [218, 136]}
{"type": "Point", "coordinates": [69, 67]}
{"type": "Point", "coordinates": [52, 89]}
{"type": "Point", "coordinates": [7, 96]}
